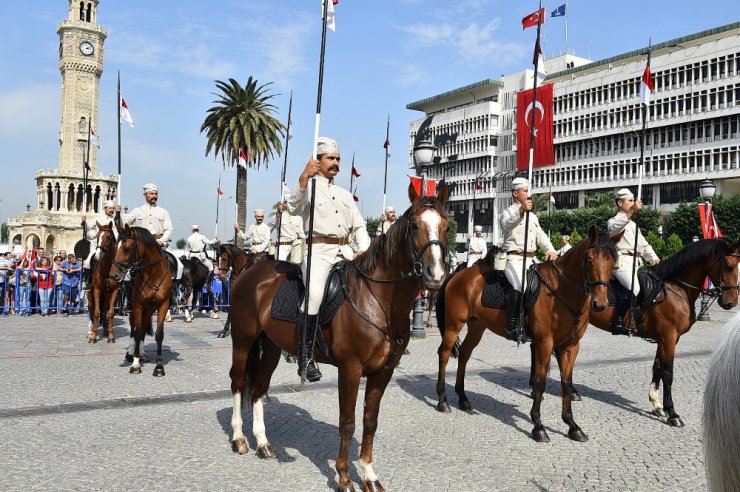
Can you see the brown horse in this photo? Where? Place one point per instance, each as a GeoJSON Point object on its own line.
{"type": "Point", "coordinates": [231, 257]}
{"type": "Point", "coordinates": [673, 314]}
{"type": "Point", "coordinates": [366, 337]}
{"type": "Point", "coordinates": [151, 286]}
{"type": "Point", "coordinates": [101, 299]}
{"type": "Point", "coordinates": [558, 319]}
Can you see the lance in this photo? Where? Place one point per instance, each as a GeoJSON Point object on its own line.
{"type": "Point", "coordinates": [118, 105]}
{"type": "Point", "coordinates": [313, 179]}
{"type": "Point", "coordinates": [218, 201]}
{"type": "Point", "coordinates": [279, 219]}
{"type": "Point", "coordinates": [386, 147]}
{"type": "Point", "coordinates": [645, 114]}
{"type": "Point", "coordinates": [529, 176]}
{"type": "Point", "coordinates": [85, 170]}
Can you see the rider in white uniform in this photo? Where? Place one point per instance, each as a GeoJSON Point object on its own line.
{"type": "Point", "coordinates": [290, 237]}
{"type": "Point", "coordinates": [258, 234]}
{"type": "Point", "coordinates": [386, 220]}
{"type": "Point", "coordinates": [477, 248]}
{"type": "Point", "coordinates": [512, 221]}
{"type": "Point", "coordinates": [622, 223]}
{"type": "Point", "coordinates": [195, 245]}
{"type": "Point", "coordinates": [337, 224]}
{"type": "Point", "coordinates": [109, 211]}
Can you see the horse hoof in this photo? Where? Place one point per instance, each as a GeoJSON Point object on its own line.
{"type": "Point", "coordinates": [577, 435]}
{"type": "Point", "coordinates": [128, 357]}
{"type": "Point", "coordinates": [349, 488]}
{"type": "Point", "coordinates": [540, 435]}
{"type": "Point", "coordinates": [188, 320]}
{"type": "Point", "coordinates": [675, 421]}
{"type": "Point", "coordinates": [266, 452]}
{"type": "Point", "coordinates": [134, 370]}
{"type": "Point", "coordinates": [158, 371]}
{"type": "Point", "coordinates": [658, 412]}
{"type": "Point", "coordinates": [373, 486]}
{"type": "Point", "coordinates": [575, 396]}
{"type": "Point", "coordinates": [465, 405]}
{"type": "Point", "coordinates": [221, 334]}
{"type": "Point", "coordinates": [240, 446]}
{"type": "Point", "coordinates": [444, 407]}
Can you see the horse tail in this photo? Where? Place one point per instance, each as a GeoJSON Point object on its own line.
{"type": "Point", "coordinates": [439, 307]}
{"type": "Point", "coordinates": [722, 411]}
{"type": "Point", "coordinates": [253, 361]}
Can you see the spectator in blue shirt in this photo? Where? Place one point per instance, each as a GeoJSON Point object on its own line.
{"type": "Point", "coordinates": [71, 269]}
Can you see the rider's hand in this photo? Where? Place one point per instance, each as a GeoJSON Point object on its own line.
{"type": "Point", "coordinates": [311, 170]}
{"type": "Point", "coordinates": [551, 256]}
{"type": "Point", "coordinates": [526, 206]}
{"type": "Point", "coordinates": [160, 242]}
{"type": "Point", "coordinates": [657, 260]}
{"type": "Point", "coordinates": [638, 205]}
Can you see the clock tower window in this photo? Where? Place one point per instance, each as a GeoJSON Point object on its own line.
{"type": "Point", "coordinates": [85, 11]}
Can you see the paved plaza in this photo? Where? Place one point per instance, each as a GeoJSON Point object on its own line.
{"type": "Point", "coordinates": [73, 418]}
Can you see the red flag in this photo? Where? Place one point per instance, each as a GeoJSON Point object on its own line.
{"type": "Point", "coordinates": [431, 186]}
{"type": "Point", "coordinates": [478, 186]}
{"type": "Point", "coordinates": [387, 147]}
{"type": "Point", "coordinates": [532, 19]}
{"type": "Point", "coordinates": [646, 86]}
{"type": "Point", "coordinates": [544, 152]}
{"type": "Point", "coordinates": [242, 159]}
{"type": "Point", "coordinates": [356, 198]}
{"type": "Point", "coordinates": [709, 227]}
{"type": "Point", "coordinates": [218, 190]}
{"type": "Point", "coordinates": [126, 114]}
{"type": "Point", "coordinates": [354, 172]}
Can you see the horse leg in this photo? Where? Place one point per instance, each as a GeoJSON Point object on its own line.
{"type": "Point", "coordinates": [374, 389]}
{"type": "Point", "coordinates": [654, 391]}
{"type": "Point", "coordinates": [111, 315]}
{"type": "Point", "coordinates": [227, 325]}
{"type": "Point", "coordinates": [238, 372]}
{"type": "Point", "coordinates": [162, 312]}
{"type": "Point", "coordinates": [542, 361]}
{"type": "Point", "coordinates": [574, 395]}
{"type": "Point", "coordinates": [260, 385]}
{"type": "Point", "coordinates": [667, 352]}
{"type": "Point", "coordinates": [444, 350]}
{"type": "Point", "coordinates": [566, 360]}
{"type": "Point", "coordinates": [138, 337]}
{"type": "Point", "coordinates": [475, 332]}
{"type": "Point", "coordinates": [349, 384]}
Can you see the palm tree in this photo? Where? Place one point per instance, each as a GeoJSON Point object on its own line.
{"type": "Point", "coordinates": [243, 120]}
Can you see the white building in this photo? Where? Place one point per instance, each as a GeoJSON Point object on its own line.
{"type": "Point", "coordinates": [692, 131]}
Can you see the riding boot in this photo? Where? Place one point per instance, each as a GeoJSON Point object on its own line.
{"type": "Point", "coordinates": [620, 309]}
{"type": "Point", "coordinates": [513, 316]}
{"type": "Point", "coordinates": [86, 278]}
{"type": "Point", "coordinates": [305, 352]}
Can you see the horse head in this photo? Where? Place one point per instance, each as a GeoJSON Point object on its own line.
{"type": "Point", "coordinates": [127, 253]}
{"type": "Point", "coordinates": [727, 277]}
{"type": "Point", "coordinates": [106, 239]}
{"type": "Point", "coordinates": [598, 267]}
{"type": "Point", "coordinates": [427, 234]}
{"type": "Point", "coordinates": [225, 260]}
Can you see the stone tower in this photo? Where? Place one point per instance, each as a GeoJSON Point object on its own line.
{"type": "Point", "coordinates": [61, 199]}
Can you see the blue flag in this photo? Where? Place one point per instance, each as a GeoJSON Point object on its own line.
{"type": "Point", "coordinates": [558, 12]}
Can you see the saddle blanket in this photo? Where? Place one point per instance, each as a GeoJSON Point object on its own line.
{"type": "Point", "coordinates": [496, 288]}
{"type": "Point", "coordinates": [287, 301]}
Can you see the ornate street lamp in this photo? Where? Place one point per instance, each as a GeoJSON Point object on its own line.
{"type": "Point", "coordinates": [706, 189]}
{"type": "Point", "coordinates": [28, 207]}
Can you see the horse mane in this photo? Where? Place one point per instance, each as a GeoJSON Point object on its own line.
{"type": "Point", "coordinates": [602, 245]}
{"type": "Point", "coordinates": [144, 236]}
{"type": "Point", "coordinates": [385, 247]}
{"type": "Point", "coordinates": [692, 252]}
{"type": "Point", "coordinates": [720, 413]}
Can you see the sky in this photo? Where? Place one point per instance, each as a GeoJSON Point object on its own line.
{"type": "Point", "coordinates": [384, 55]}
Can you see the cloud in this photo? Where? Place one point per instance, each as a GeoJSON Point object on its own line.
{"type": "Point", "coordinates": [30, 110]}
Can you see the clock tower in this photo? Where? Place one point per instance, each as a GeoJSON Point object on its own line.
{"type": "Point", "coordinates": [81, 64]}
{"type": "Point", "coordinates": [63, 195]}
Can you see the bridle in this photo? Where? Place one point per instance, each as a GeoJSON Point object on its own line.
{"type": "Point", "coordinates": [417, 267]}
{"type": "Point", "coordinates": [588, 284]}
{"type": "Point", "coordinates": [135, 265]}
{"type": "Point", "coordinates": [721, 286]}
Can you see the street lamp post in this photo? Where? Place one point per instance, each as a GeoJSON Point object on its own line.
{"type": "Point", "coordinates": [423, 157]}
{"type": "Point", "coordinates": [706, 189]}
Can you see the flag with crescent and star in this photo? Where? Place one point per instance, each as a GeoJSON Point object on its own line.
{"type": "Point", "coordinates": [539, 110]}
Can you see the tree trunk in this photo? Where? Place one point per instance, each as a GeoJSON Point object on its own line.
{"type": "Point", "coordinates": [241, 199]}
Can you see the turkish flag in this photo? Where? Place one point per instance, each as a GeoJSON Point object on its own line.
{"type": "Point", "coordinates": [431, 186]}
{"type": "Point", "coordinates": [544, 152]}
{"type": "Point", "coordinates": [532, 19]}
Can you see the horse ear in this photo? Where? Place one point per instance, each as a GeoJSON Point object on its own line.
{"type": "Point", "coordinates": [413, 195]}
{"type": "Point", "coordinates": [442, 193]}
{"type": "Point", "coordinates": [593, 234]}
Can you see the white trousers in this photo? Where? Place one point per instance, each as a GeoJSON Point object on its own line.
{"type": "Point", "coordinates": [321, 265]}
{"type": "Point", "coordinates": [472, 258]}
{"type": "Point", "coordinates": [623, 273]}
{"type": "Point", "coordinates": [513, 271]}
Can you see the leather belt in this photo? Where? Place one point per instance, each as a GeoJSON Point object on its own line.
{"type": "Point", "coordinates": [630, 253]}
{"type": "Point", "coordinates": [341, 241]}
{"type": "Point", "coordinates": [284, 243]}
{"type": "Point", "coordinates": [530, 254]}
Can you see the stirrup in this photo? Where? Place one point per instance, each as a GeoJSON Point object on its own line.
{"type": "Point", "coordinates": [620, 329]}
{"type": "Point", "coordinates": [312, 371]}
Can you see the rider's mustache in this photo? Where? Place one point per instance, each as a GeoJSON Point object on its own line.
{"type": "Point", "coordinates": [334, 167]}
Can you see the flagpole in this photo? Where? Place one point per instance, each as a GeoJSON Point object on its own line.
{"type": "Point", "coordinates": [279, 218]}
{"type": "Point", "coordinates": [85, 167]}
{"type": "Point", "coordinates": [529, 176]}
{"type": "Point", "coordinates": [309, 239]}
{"type": "Point", "coordinates": [566, 30]}
{"type": "Point", "coordinates": [218, 201]}
{"type": "Point", "coordinates": [645, 115]}
{"type": "Point", "coordinates": [352, 176]}
{"type": "Point", "coordinates": [118, 105]}
{"type": "Point", "coordinates": [385, 147]}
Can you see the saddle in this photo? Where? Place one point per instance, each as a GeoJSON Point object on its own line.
{"type": "Point", "coordinates": [289, 297]}
{"type": "Point", "coordinates": [496, 288]}
{"type": "Point", "coordinates": [172, 262]}
{"type": "Point", "coordinates": [651, 287]}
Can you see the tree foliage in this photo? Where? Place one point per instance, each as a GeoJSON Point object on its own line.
{"type": "Point", "coordinates": [180, 243]}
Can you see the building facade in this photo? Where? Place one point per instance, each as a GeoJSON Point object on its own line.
{"type": "Point", "coordinates": [61, 196]}
{"type": "Point", "coordinates": [691, 132]}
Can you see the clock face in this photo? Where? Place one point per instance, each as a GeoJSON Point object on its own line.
{"type": "Point", "coordinates": [86, 48]}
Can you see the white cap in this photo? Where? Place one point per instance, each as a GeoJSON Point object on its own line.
{"type": "Point", "coordinates": [478, 228]}
{"type": "Point", "coordinates": [194, 227]}
{"type": "Point", "coordinates": [150, 187]}
{"type": "Point", "coordinates": [109, 203]}
{"type": "Point", "coordinates": [623, 194]}
{"type": "Point", "coordinates": [566, 237]}
{"type": "Point", "coordinates": [326, 145]}
{"type": "Point", "coordinates": [259, 211]}
{"type": "Point", "coordinates": [519, 183]}
{"type": "Point", "coordinates": [389, 209]}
